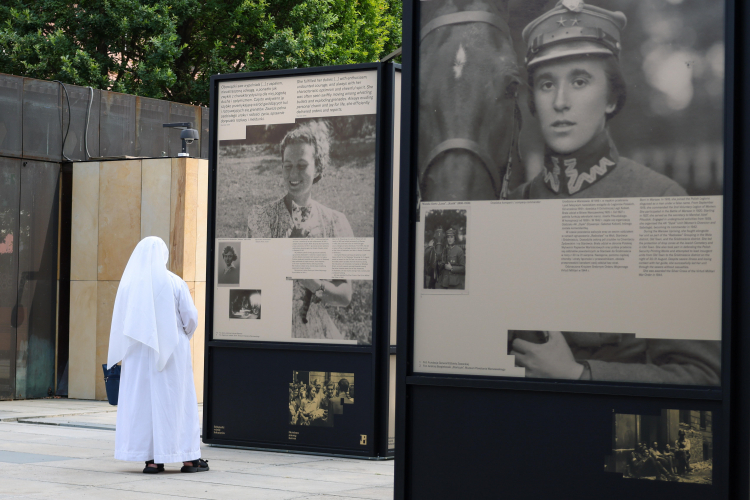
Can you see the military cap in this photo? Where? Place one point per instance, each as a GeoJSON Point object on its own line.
{"type": "Point", "coordinates": [573, 28]}
{"type": "Point", "coordinates": [450, 232]}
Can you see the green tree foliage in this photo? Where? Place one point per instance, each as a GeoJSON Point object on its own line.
{"type": "Point", "coordinates": [168, 49]}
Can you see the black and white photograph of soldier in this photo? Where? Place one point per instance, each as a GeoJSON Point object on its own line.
{"type": "Point", "coordinates": [616, 357]}
{"type": "Point", "coordinates": [676, 445]}
{"type": "Point", "coordinates": [228, 272]}
{"type": "Point", "coordinates": [314, 178]}
{"type": "Point", "coordinates": [445, 249]}
{"type": "Point", "coordinates": [244, 304]}
{"type": "Point", "coordinates": [315, 397]}
{"type": "Point", "coordinates": [571, 98]}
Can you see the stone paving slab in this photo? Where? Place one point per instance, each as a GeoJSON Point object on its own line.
{"type": "Point", "coordinates": [100, 420]}
{"type": "Point", "coordinates": [18, 457]}
{"type": "Point", "coordinates": [11, 411]}
{"type": "Point", "coordinates": [83, 466]}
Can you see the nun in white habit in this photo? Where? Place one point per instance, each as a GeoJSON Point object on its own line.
{"type": "Point", "coordinates": [153, 320]}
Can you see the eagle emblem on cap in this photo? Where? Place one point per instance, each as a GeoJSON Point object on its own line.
{"type": "Point", "coordinates": [573, 5]}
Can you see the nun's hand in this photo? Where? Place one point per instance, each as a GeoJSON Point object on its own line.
{"type": "Point", "coordinates": [552, 359]}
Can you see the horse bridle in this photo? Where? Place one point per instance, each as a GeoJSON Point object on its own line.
{"type": "Point", "coordinates": [499, 186]}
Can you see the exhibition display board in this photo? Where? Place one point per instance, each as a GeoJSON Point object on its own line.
{"type": "Point", "coordinates": [298, 264]}
{"type": "Point", "coordinates": [567, 283]}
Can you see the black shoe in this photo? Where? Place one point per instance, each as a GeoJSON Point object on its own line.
{"type": "Point", "coordinates": [153, 470]}
{"type": "Point", "coordinates": [199, 465]}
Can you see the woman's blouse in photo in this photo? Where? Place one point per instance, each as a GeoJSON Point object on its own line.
{"type": "Point", "coordinates": [312, 221]}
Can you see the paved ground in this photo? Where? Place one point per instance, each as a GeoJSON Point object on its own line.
{"type": "Point", "coordinates": [62, 449]}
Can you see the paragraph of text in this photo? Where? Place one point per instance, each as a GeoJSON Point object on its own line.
{"type": "Point", "coordinates": [677, 235]}
{"type": "Point", "coordinates": [597, 234]}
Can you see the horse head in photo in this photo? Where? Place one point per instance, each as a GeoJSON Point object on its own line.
{"type": "Point", "coordinates": [468, 100]}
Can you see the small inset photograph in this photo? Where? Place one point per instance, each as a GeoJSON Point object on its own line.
{"type": "Point", "coordinates": [228, 270]}
{"type": "Point", "coordinates": [244, 304]}
{"type": "Point", "coordinates": [332, 309]}
{"type": "Point", "coordinates": [675, 446]}
{"type": "Point", "coordinates": [315, 397]}
{"type": "Point", "coordinates": [445, 240]}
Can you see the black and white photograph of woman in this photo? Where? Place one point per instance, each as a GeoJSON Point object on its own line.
{"type": "Point", "coordinates": [311, 179]}
{"type": "Point", "coordinates": [229, 265]}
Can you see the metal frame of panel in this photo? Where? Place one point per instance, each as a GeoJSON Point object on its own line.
{"type": "Point", "coordinates": [378, 352]}
{"type": "Point", "coordinates": [417, 461]}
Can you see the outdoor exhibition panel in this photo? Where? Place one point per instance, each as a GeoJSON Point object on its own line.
{"type": "Point", "coordinates": [567, 300]}
{"type": "Point", "coordinates": [298, 261]}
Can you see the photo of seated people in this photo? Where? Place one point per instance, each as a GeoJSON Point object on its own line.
{"type": "Point", "coordinates": [675, 446]}
{"type": "Point", "coordinates": [315, 397]}
{"type": "Point", "coordinates": [445, 250]}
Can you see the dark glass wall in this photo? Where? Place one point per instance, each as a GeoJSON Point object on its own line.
{"type": "Point", "coordinates": [11, 99]}
{"type": "Point", "coordinates": [83, 102]}
{"type": "Point", "coordinates": [10, 183]}
{"type": "Point", "coordinates": [42, 120]}
{"type": "Point", "coordinates": [37, 279]}
{"type": "Point", "coordinates": [117, 124]}
{"type": "Point", "coordinates": [150, 134]}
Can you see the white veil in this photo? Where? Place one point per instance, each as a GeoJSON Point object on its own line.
{"type": "Point", "coordinates": [145, 306]}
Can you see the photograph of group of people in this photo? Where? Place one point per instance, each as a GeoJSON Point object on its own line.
{"type": "Point", "coordinates": [315, 397]}
{"type": "Point", "coordinates": [676, 446]}
{"type": "Point", "coordinates": [314, 178]}
{"type": "Point", "coordinates": [445, 249]}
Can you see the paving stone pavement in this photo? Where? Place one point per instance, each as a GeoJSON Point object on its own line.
{"type": "Point", "coordinates": [62, 449]}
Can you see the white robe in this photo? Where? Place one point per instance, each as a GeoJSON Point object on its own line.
{"type": "Point", "coordinates": [157, 413]}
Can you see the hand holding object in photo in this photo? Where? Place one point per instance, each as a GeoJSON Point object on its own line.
{"type": "Point", "coordinates": [550, 359]}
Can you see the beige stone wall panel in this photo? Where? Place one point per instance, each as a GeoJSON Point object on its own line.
{"type": "Point", "coordinates": [191, 218]}
{"type": "Point", "coordinates": [115, 204]}
{"type": "Point", "coordinates": [119, 216]}
{"type": "Point", "coordinates": [156, 182]}
{"type": "Point", "coordinates": [83, 321]}
{"type": "Point", "coordinates": [202, 222]}
{"type": "Point", "coordinates": [199, 338]}
{"type": "Point", "coordinates": [106, 293]}
{"type": "Point", "coordinates": [191, 287]}
{"type": "Point", "coordinates": [184, 200]}
{"type": "Point", "coordinates": [177, 218]}
{"type": "Point", "coordinates": [84, 241]}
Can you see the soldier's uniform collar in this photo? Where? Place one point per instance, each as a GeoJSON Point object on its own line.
{"type": "Point", "coordinates": [571, 174]}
